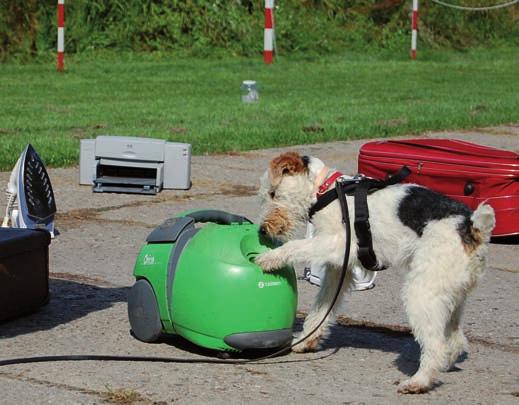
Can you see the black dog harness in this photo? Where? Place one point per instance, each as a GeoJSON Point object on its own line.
{"type": "Point", "coordinates": [359, 187]}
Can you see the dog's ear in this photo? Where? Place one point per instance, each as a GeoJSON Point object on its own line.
{"type": "Point", "coordinates": [288, 164]}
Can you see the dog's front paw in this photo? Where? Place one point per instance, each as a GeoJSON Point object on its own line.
{"type": "Point", "coordinates": [269, 261]}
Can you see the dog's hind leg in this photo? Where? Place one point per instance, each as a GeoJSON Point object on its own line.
{"type": "Point", "coordinates": [433, 294]}
{"type": "Point", "coordinates": [428, 316]}
{"type": "Point", "coordinates": [327, 292]}
{"type": "Point", "coordinates": [457, 343]}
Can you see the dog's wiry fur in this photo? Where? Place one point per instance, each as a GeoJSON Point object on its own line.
{"type": "Point", "coordinates": [440, 243]}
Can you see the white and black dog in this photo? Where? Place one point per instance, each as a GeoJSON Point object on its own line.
{"type": "Point", "coordinates": [441, 243]}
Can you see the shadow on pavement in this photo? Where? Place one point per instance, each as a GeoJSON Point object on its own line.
{"type": "Point", "coordinates": [401, 343]}
{"type": "Point", "coordinates": [69, 300]}
{"type": "Point", "coordinates": [72, 300]}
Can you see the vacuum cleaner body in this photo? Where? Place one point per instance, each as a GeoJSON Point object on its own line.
{"type": "Point", "coordinates": [202, 283]}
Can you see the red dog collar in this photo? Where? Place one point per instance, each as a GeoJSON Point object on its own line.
{"type": "Point", "coordinates": [329, 181]}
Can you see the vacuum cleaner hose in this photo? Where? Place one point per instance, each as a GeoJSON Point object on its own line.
{"type": "Point", "coordinates": [202, 216]}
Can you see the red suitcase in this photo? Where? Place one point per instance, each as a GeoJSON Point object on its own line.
{"type": "Point", "coordinates": [466, 172]}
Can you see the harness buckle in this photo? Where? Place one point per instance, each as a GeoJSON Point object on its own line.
{"type": "Point", "coordinates": [356, 179]}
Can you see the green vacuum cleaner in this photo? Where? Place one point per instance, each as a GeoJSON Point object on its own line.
{"type": "Point", "coordinates": [196, 277]}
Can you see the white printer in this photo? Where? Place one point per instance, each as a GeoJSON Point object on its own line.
{"type": "Point", "coordinates": [121, 164]}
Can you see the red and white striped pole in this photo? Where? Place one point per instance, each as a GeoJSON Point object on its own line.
{"type": "Point", "coordinates": [61, 36]}
{"type": "Point", "coordinates": [414, 27]}
{"type": "Point", "coordinates": [268, 44]}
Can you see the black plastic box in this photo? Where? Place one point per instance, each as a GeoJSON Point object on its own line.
{"type": "Point", "coordinates": [24, 271]}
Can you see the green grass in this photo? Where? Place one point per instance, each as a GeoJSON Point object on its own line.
{"type": "Point", "coordinates": [303, 100]}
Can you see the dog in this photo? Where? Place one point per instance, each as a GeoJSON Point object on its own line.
{"type": "Point", "coordinates": [440, 243]}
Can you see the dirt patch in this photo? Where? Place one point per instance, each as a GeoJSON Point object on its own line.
{"type": "Point", "coordinates": [76, 217]}
{"type": "Point", "coordinates": [506, 270]}
{"type": "Point", "coordinates": [238, 190]}
{"type": "Point", "coordinates": [178, 130]}
{"type": "Point", "coordinates": [388, 329]}
{"type": "Point", "coordinates": [255, 372]}
{"type": "Point", "coordinates": [113, 396]}
{"type": "Point", "coordinates": [123, 396]}
{"type": "Point", "coordinates": [478, 109]}
{"type": "Point", "coordinates": [312, 128]}
{"type": "Point", "coordinates": [98, 282]}
{"type": "Point", "coordinates": [83, 132]}
{"type": "Point", "coordinates": [493, 345]}
{"type": "Point", "coordinates": [237, 153]}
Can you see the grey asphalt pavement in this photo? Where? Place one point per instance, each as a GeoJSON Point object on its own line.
{"type": "Point", "coordinates": [368, 351]}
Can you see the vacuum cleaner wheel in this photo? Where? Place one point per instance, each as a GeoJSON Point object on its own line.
{"type": "Point", "coordinates": [143, 312]}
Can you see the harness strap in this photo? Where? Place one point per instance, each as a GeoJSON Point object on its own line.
{"type": "Point", "coordinates": [360, 187]}
{"type": "Point", "coordinates": [349, 186]}
{"type": "Point", "coordinates": [362, 227]}
{"type": "Point", "coordinates": [329, 197]}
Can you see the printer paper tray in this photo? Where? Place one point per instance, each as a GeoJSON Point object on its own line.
{"type": "Point", "coordinates": [135, 185]}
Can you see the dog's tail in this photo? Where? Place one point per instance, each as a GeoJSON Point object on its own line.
{"type": "Point", "coordinates": [476, 246]}
{"type": "Point", "coordinates": [484, 221]}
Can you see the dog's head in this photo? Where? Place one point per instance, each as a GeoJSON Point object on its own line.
{"type": "Point", "coordinates": [287, 192]}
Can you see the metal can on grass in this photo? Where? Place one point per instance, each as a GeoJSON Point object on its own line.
{"type": "Point", "coordinates": [249, 91]}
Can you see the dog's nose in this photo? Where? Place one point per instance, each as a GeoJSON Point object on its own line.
{"type": "Point", "coordinates": [263, 231]}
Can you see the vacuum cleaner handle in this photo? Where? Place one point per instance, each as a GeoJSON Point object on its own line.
{"type": "Point", "coordinates": [217, 216]}
{"type": "Point", "coordinates": [170, 231]}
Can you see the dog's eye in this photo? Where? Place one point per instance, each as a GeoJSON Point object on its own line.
{"type": "Point", "coordinates": [272, 194]}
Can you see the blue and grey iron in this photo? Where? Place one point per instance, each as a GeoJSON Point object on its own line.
{"type": "Point", "coordinates": [30, 185]}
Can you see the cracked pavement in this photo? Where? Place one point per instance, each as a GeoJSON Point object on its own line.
{"type": "Point", "coordinates": [368, 351]}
